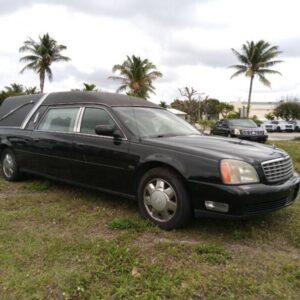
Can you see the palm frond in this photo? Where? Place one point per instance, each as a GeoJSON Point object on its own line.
{"type": "Point", "coordinates": [237, 73]}
{"type": "Point", "coordinates": [268, 71]}
{"type": "Point", "coordinates": [31, 66]}
{"type": "Point", "coordinates": [49, 73]}
{"type": "Point", "coordinates": [242, 58]}
{"type": "Point", "coordinates": [264, 80]}
{"type": "Point", "coordinates": [121, 88]}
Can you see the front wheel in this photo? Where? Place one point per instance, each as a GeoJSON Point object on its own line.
{"type": "Point", "coordinates": [163, 199]}
{"type": "Point", "coordinates": [10, 168]}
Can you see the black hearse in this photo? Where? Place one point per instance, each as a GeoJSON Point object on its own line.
{"type": "Point", "coordinates": [134, 148]}
{"type": "Point", "coordinates": [245, 129]}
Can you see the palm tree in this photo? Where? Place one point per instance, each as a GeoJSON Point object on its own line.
{"type": "Point", "coordinates": [256, 60]}
{"type": "Point", "coordinates": [15, 88]}
{"type": "Point", "coordinates": [31, 90]}
{"type": "Point", "coordinates": [89, 87]}
{"type": "Point", "coordinates": [41, 55]}
{"type": "Point", "coordinates": [163, 104]}
{"type": "Point", "coordinates": [136, 76]}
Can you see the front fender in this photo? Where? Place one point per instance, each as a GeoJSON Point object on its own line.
{"type": "Point", "coordinates": [5, 143]}
{"type": "Point", "coordinates": [168, 160]}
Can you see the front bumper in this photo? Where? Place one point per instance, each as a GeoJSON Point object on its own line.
{"type": "Point", "coordinates": [244, 200]}
{"type": "Point", "coordinates": [256, 138]}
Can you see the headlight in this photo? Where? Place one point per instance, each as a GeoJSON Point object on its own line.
{"type": "Point", "coordinates": [237, 172]}
{"type": "Point", "coordinates": [237, 131]}
{"type": "Point", "coordinates": [265, 132]}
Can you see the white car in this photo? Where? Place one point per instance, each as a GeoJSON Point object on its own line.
{"type": "Point", "coordinates": [296, 124]}
{"type": "Point", "coordinates": [278, 126]}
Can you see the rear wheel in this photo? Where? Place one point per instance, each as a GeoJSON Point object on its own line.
{"type": "Point", "coordinates": [10, 168]}
{"type": "Point", "coordinates": [163, 198]}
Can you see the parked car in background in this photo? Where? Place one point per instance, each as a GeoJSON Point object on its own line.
{"type": "Point", "coordinates": [136, 149]}
{"type": "Point", "coordinates": [289, 127]}
{"type": "Point", "coordinates": [296, 124]}
{"type": "Point", "coordinates": [245, 129]}
{"type": "Point", "coordinates": [278, 126]}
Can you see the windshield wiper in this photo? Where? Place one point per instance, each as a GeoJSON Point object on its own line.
{"type": "Point", "coordinates": [161, 135]}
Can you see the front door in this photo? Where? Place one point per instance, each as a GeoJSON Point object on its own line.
{"type": "Point", "coordinates": [104, 160]}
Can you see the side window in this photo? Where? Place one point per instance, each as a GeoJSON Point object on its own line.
{"type": "Point", "coordinates": [59, 119]}
{"type": "Point", "coordinates": [36, 117]}
{"type": "Point", "coordinates": [93, 117]}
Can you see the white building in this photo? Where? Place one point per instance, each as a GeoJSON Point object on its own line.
{"type": "Point", "coordinates": [177, 112]}
{"type": "Point", "coordinates": [258, 109]}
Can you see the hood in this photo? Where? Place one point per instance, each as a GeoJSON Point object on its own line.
{"type": "Point", "coordinates": [218, 147]}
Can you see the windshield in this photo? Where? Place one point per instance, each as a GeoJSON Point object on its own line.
{"type": "Point", "coordinates": [243, 123]}
{"type": "Point", "coordinates": [153, 122]}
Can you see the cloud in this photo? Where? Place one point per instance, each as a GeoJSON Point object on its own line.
{"type": "Point", "coordinates": [167, 12]}
{"type": "Point", "coordinates": [178, 53]}
{"type": "Point", "coordinates": [189, 42]}
{"type": "Point", "coordinates": [290, 47]}
{"type": "Point", "coordinates": [99, 77]}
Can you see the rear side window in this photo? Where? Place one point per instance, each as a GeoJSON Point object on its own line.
{"type": "Point", "coordinates": [93, 117]}
{"type": "Point", "coordinates": [59, 119]}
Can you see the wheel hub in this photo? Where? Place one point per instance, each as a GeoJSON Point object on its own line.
{"type": "Point", "coordinates": [158, 200]}
{"type": "Point", "coordinates": [8, 165]}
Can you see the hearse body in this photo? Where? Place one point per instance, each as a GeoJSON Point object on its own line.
{"type": "Point", "coordinates": [134, 148]}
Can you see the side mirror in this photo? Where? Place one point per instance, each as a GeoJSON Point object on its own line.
{"type": "Point", "coordinates": [105, 129]}
{"type": "Point", "coordinates": [108, 130]}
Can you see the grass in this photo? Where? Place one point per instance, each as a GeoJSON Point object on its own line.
{"type": "Point", "coordinates": [62, 242]}
{"type": "Point", "coordinates": [41, 185]}
{"type": "Point", "coordinates": [212, 253]}
{"type": "Point", "coordinates": [127, 223]}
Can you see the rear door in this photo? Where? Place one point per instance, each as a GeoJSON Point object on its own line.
{"type": "Point", "coordinates": [52, 142]}
{"type": "Point", "coordinates": [104, 160]}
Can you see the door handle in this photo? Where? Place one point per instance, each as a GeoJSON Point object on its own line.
{"type": "Point", "coordinates": [79, 146]}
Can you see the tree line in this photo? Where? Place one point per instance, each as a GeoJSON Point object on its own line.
{"type": "Point", "coordinates": [136, 75]}
{"type": "Point", "coordinates": [287, 109]}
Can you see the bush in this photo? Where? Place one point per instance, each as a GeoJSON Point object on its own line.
{"type": "Point", "coordinates": [206, 123]}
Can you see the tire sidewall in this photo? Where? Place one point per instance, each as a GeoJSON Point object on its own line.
{"type": "Point", "coordinates": [15, 174]}
{"type": "Point", "coordinates": [183, 212]}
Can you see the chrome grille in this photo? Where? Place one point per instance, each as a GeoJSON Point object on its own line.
{"type": "Point", "coordinates": [278, 169]}
{"type": "Point", "coordinates": [252, 132]}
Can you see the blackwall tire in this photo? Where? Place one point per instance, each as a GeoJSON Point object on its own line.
{"type": "Point", "coordinates": [163, 199]}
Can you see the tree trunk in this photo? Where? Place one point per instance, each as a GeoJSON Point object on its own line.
{"type": "Point", "coordinates": [249, 96]}
{"type": "Point", "coordinates": [42, 81]}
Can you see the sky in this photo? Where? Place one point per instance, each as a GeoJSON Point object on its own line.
{"type": "Point", "coordinates": [189, 41]}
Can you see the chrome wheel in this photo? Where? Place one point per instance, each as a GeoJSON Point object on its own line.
{"type": "Point", "coordinates": [8, 165]}
{"type": "Point", "coordinates": [160, 200]}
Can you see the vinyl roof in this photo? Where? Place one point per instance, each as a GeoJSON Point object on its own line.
{"type": "Point", "coordinates": [110, 99]}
